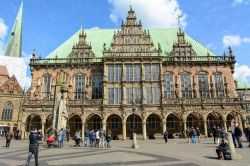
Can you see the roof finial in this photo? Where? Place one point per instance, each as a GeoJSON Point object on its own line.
{"type": "Point", "coordinates": [130, 5]}
{"type": "Point", "coordinates": [179, 22]}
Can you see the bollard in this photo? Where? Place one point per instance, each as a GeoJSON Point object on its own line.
{"type": "Point", "coordinates": [134, 144]}
{"type": "Point", "coordinates": [234, 155]}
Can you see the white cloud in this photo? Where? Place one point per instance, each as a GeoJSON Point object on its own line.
{"type": "Point", "coordinates": [153, 13]}
{"type": "Point", "coordinates": [16, 66]}
{"type": "Point", "coordinates": [234, 40]}
{"type": "Point", "coordinates": [242, 72]}
{"type": "Point", "coordinates": [238, 2]}
{"type": "Point", "coordinates": [3, 32]}
{"type": "Point", "coordinates": [94, 28]}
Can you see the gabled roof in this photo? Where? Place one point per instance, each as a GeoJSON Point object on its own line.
{"type": "Point", "coordinates": [166, 37]}
{"type": "Point", "coordinates": [11, 86]}
{"type": "Point", "coordinates": [3, 71]}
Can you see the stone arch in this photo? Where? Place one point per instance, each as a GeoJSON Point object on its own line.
{"type": "Point", "coordinates": [48, 123]}
{"type": "Point", "coordinates": [114, 123]}
{"type": "Point", "coordinates": [214, 119]}
{"type": "Point", "coordinates": [153, 123]}
{"type": "Point", "coordinates": [236, 117]}
{"type": "Point", "coordinates": [174, 123]}
{"type": "Point", "coordinates": [137, 125]}
{"type": "Point", "coordinates": [195, 119]}
{"type": "Point", "coordinates": [93, 122]}
{"type": "Point", "coordinates": [33, 121]}
{"type": "Point", "coordinates": [74, 124]}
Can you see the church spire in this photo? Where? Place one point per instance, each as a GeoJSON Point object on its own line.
{"type": "Point", "coordinates": [14, 45]}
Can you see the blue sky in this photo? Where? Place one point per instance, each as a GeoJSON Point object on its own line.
{"type": "Point", "coordinates": [48, 23]}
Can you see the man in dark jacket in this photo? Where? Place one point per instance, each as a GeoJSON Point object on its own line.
{"type": "Point", "coordinates": [223, 150]}
{"type": "Point", "coordinates": [238, 134]}
{"type": "Point", "coordinates": [34, 137]}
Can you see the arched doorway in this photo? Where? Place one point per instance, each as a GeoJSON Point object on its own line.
{"type": "Point", "coordinates": [234, 117]}
{"type": "Point", "coordinates": [48, 124]}
{"type": "Point", "coordinates": [174, 123]}
{"type": "Point", "coordinates": [153, 125]}
{"type": "Point", "coordinates": [195, 120]}
{"type": "Point", "coordinates": [134, 123]}
{"type": "Point", "coordinates": [214, 119]}
{"type": "Point", "coordinates": [33, 121]}
{"type": "Point", "coordinates": [74, 124]}
{"type": "Point", "coordinates": [94, 122]}
{"type": "Point", "coordinates": [114, 123]}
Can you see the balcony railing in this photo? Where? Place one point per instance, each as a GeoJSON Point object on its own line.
{"type": "Point", "coordinates": [199, 58]}
{"type": "Point", "coordinates": [88, 102]}
{"type": "Point", "coordinates": [65, 61]}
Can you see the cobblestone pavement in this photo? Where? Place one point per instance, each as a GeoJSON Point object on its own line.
{"type": "Point", "coordinates": [150, 153]}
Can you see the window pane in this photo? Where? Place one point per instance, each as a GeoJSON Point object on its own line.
{"type": "Point", "coordinates": [137, 72]}
{"type": "Point", "coordinates": [155, 72]}
{"type": "Point", "coordinates": [186, 86]}
{"type": "Point", "coordinates": [47, 87]}
{"type": "Point", "coordinates": [147, 72]}
{"type": "Point", "coordinates": [97, 84]}
{"type": "Point", "coordinates": [110, 72]}
{"type": "Point", "coordinates": [169, 86]}
{"type": "Point", "coordinates": [79, 86]}
{"type": "Point", "coordinates": [129, 73]}
{"type": "Point", "coordinates": [203, 85]}
{"type": "Point", "coordinates": [118, 73]}
{"type": "Point", "coordinates": [219, 85]}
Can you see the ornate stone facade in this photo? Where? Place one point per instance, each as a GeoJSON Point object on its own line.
{"type": "Point", "coordinates": [168, 90]}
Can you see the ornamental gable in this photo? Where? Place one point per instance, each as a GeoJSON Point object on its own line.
{"type": "Point", "coordinates": [11, 87]}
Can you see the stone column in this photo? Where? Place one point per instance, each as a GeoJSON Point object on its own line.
{"type": "Point", "coordinates": [104, 124]}
{"type": "Point", "coordinates": [11, 128]}
{"type": "Point", "coordinates": [144, 130]}
{"type": "Point", "coordinates": [225, 126]}
{"type": "Point", "coordinates": [164, 127]}
{"type": "Point", "coordinates": [184, 126]}
{"type": "Point", "coordinates": [205, 128]}
{"type": "Point", "coordinates": [83, 129]}
{"type": "Point", "coordinates": [43, 133]}
{"type": "Point", "coordinates": [23, 131]}
{"type": "Point", "coordinates": [124, 131]}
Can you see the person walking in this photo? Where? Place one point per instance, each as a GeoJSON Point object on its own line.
{"type": "Point", "coordinates": [33, 146]}
{"type": "Point", "coordinates": [67, 135]}
{"type": "Point", "coordinates": [193, 134]}
{"type": "Point", "coordinates": [222, 133]}
{"type": "Point", "coordinates": [108, 138]}
{"type": "Point", "coordinates": [86, 137]}
{"type": "Point", "coordinates": [102, 136]}
{"type": "Point", "coordinates": [238, 134]}
{"type": "Point", "coordinates": [62, 135]}
{"type": "Point", "coordinates": [198, 134]}
{"type": "Point", "coordinates": [8, 137]}
{"type": "Point", "coordinates": [97, 137]}
{"type": "Point", "coordinates": [188, 134]}
{"type": "Point", "coordinates": [165, 136]}
{"type": "Point", "coordinates": [248, 134]}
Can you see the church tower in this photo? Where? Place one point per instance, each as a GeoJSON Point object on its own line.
{"type": "Point", "coordinates": [14, 45]}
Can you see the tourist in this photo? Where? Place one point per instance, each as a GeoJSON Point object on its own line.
{"type": "Point", "coordinates": [33, 146]}
{"type": "Point", "coordinates": [91, 137]}
{"type": "Point", "coordinates": [61, 138]}
{"type": "Point", "coordinates": [40, 133]}
{"type": "Point", "coordinates": [223, 150]}
{"type": "Point", "coordinates": [8, 137]}
{"type": "Point", "coordinates": [67, 134]}
{"type": "Point", "coordinates": [97, 137]}
{"type": "Point", "coordinates": [78, 138]}
{"type": "Point", "coordinates": [108, 138]}
{"type": "Point", "coordinates": [86, 137]}
{"type": "Point", "coordinates": [102, 137]}
{"type": "Point", "coordinates": [165, 136]}
{"type": "Point", "coordinates": [248, 134]}
{"type": "Point", "coordinates": [193, 135]}
{"type": "Point", "coordinates": [198, 134]}
{"type": "Point", "coordinates": [222, 133]}
{"type": "Point", "coordinates": [188, 135]}
{"type": "Point", "coordinates": [238, 134]}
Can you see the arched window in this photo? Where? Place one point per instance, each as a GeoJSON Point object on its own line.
{"type": "Point", "coordinates": [7, 111]}
{"type": "Point", "coordinates": [168, 86]}
{"type": "Point", "coordinates": [203, 85]}
{"type": "Point", "coordinates": [219, 85]}
{"type": "Point", "coordinates": [186, 88]}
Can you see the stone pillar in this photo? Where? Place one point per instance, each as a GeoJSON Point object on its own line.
{"type": "Point", "coordinates": [144, 129]}
{"type": "Point", "coordinates": [104, 124]}
{"type": "Point", "coordinates": [205, 128]}
{"type": "Point", "coordinates": [225, 126]}
{"type": "Point", "coordinates": [184, 127]}
{"type": "Point", "coordinates": [83, 129]}
{"type": "Point", "coordinates": [124, 131]}
{"type": "Point", "coordinates": [164, 127]}
{"type": "Point", "coordinates": [43, 133]}
{"type": "Point", "coordinates": [11, 128]}
{"type": "Point", "coordinates": [23, 131]}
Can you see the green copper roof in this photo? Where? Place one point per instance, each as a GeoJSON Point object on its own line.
{"type": "Point", "coordinates": [14, 45]}
{"type": "Point", "coordinates": [242, 84]}
{"type": "Point", "coordinates": [166, 37]}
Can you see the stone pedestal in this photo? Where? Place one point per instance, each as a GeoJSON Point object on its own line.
{"type": "Point", "coordinates": [134, 143]}
{"type": "Point", "coordinates": [229, 137]}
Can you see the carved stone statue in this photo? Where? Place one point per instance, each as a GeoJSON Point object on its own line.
{"type": "Point", "coordinates": [212, 90]}
{"type": "Point", "coordinates": [62, 113]}
{"type": "Point", "coordinates": [177, 91]}
{"type": "Point", "coordinates": [195, 91]}
{"type": "Point", "coordinates": [227, 90]}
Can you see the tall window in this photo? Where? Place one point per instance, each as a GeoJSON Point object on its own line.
{"type": "Point", "coordinates": [97, 84]}
{"type": "Point", "coordinates": [219, 85]}
{"type": "Point", "coordinates": [151, 72]}
{"type": "Point", "coordinates": [115, 73]}
{"type": "Point", "coordinates": [47, 80]}
{"type": "Point", "coordinates": [152, 123]}
{"type": "Point", "coordinates": [153, 95]}
{"type": "Point", "coordinates": [186, 89]}
{"type": "Point", "coordinates": [168, 86]}
{"type": "Point", "coordinates": [136, 95]}
{"type": "Point", "coordinates": [203, 85]}
{"type": "Point", "coordinates": [7, 111]}
{"type": "Point", "coordinates": [79, 86]}
{"type": "Point", "coordinates": [115, 96]}
{"type": "Point", "coordinates": [133, 72]}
